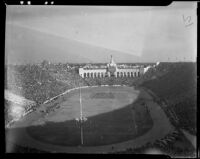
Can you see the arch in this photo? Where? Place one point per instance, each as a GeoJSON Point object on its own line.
{"type": "Point", "coordinates": [135, 74]}
{"type": "Point", "coordinates": [88, 74]}
{"type": "Point", "coordinates": [124, 74]}
{"type": "Point", "coordinates": [128, 74]}
{"type": "Point", "coordinates": [121, 74]}
{"type": "Point", "coordinates": [117, 74]}
{"type": "Point", "coordinates": [101, 74]}
{"type": "Point", "coordinates": [92, 74]}
{"type": "Point", "coordinates": [138, 74]}
{"type": "Point", "coordinates": [84, 75]}
{"type": "Point", "coordinates": [131, 74]}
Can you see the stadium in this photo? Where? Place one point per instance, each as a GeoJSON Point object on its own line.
{"type": "Point", "coordinates": [63, 94]}
{"type": "Point", "coordinates": [103, 115]}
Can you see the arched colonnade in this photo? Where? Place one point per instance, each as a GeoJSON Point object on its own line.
{"type": "Point", "coordinates": [103, 74]}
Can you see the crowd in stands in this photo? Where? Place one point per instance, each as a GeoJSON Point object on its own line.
{"type": "Point", "coordinates": [175, 84]}
{"type": "Point", "coordinates": [7, 112]}
{"type": "Point", "coordinates": [177, 87]}
{"type": "Point", "coordinates": [165, 147]}
{"type": "Point", "coordinates": [172, 83]}
{"type": "Point", "coordinates": [40, 82]}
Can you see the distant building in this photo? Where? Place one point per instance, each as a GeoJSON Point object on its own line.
{"type": "Point", "coordinates": [111, 69]}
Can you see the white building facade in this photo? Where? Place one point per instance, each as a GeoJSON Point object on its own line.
{"type": "Point", "coordinates": [111, 70]}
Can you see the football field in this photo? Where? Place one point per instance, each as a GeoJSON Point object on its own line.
{"type": "Point", "coordinates": [117, 118]}
{"type": "Point", "coordinates": [109, 114]}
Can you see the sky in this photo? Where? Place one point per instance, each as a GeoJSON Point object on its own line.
{"type": "Point", "coordinates": [152, 33]}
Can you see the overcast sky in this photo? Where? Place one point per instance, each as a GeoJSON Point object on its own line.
{"type": "Point", "coordinates": [153, 33]}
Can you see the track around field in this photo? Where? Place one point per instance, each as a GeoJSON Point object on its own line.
{"type": "Point", "coordinates": [161, 127]}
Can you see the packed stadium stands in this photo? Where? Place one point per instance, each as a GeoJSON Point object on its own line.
{"type": "Point", "coordinates": [38, 83]}
{"type": "Point", "coordinates": [177, 88]}
{"type": "Point", "coordinates": [7, 113]}
{"type": "Point", "coordinates": [164, 146]}
{"type": "Point", "coordinates": [173, 84]}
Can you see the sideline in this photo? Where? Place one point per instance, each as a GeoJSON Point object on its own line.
{"type": "Point", "coordinates": [9, 124]}
{"type": "Point", "coordinates": [69, 90]}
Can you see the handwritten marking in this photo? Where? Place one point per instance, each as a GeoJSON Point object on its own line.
{"type": "Point", "coordinates": [187, 20]}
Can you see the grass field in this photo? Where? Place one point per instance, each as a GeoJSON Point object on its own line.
{"type": "Point", "coordinates": [110, 118]}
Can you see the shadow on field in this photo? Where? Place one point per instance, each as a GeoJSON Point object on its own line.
{"type": "Point", "coordinates": [103, 129]}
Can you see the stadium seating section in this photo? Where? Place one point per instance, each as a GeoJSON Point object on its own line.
{"type": "Point", "coordinates": [176, 85]}
{"type": "Point", "coordinates": [173, 83]}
